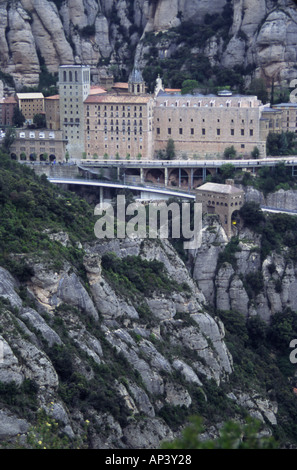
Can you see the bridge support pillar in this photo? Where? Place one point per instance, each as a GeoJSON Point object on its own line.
{"type": "Point", "coordinates": [204, 173]}
{"type": "Point", "coordinates": [191, 178]}
{"type": "Point", "coordinates": [141, 175]}
{"type": "Point", "coordinates": [101, 194]}
{"type": "Point", "coordinates": [166, 176]}
{"type": "Point", "coordinates": [179, 177]}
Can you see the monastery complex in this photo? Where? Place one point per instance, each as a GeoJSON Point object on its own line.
{"type": "Point", "coordinates": [123, 121]}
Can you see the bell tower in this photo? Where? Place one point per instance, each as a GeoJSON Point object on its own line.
{"type": "Point", "coordinates": [136, 84]}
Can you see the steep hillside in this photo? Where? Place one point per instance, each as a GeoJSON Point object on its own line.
{"type": "Point", "coordinates": [197, 38]}
{"type": "Point", "coordinates": [115, 340]}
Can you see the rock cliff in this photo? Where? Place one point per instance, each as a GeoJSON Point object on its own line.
{"type": "Point", "coordinates": [133, 366]}
{"type": "Point", "coordinates": [261, 35]}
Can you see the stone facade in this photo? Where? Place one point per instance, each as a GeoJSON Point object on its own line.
{"type": "Point", "coordinates": [288, 116]}
{"type": "Point", "coordinates": [126, 122]}
{"type": "Point", "coordinates": [119, 125]}
{"type": "Point", "coordinates": [30, 104]}
{"type": "Point", "coordinates": [205, 125]}
{"type": "Point", "coordinates": [31, 145]}
{"type": "Point", "coordinates": [52, 112]}
{"type": "Point", "coordinates": [74, 88]}
{"type": "Point", "coordinates": [7, 106]}
{"type": "Point", "coordinates": [221, 199]}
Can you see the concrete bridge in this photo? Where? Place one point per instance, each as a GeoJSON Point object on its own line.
{"type": "Point", "coordinates": [186, 174]}
{"type": "Point", "coordinates": [143, 192]}
{"type": "Point", "coordinates": [149, 176]}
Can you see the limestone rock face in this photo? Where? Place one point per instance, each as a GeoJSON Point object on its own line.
{"type": "Point", "coordinates": [262, 34]}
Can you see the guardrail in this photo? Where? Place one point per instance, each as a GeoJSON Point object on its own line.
{"type": "Point", "coordinates": [289, 160]}
{"type": "Point", "coordinates": [94, 182]}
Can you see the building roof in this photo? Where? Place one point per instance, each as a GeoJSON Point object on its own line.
{"type": "Point", "coordinates": [53, 97]}
{"type": "Point", "coordinates": [220, 188]}
{"type": "Point", "coordinates": [135, 76]}
{"type": "Point", "coordinates": [96, 90]}
{"type": "Point", "coordinates": [30, 96]}
{"type": "Point", "coordinates": [9, 99]}
{"type": "Point", "coordinates": [285, 105]}
{"type": "Point", "coordinates": [120, 85]}
{"type": "Point", "coordinates": [118, 99]}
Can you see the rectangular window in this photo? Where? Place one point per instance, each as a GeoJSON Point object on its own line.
{"type": "Point", "coordinates": [218, 131]}
{"type": "Point", "coordinates": [203, 131]}
{"type": "Point", "coordinates": [232, 131]}
{"type": "Point", "coordinates": [158, 130]}
{"type": "Point", "coordinates": [169, 130]}
{"type": "Point", "coordinates": [242, 131]}
{"type": "Point", "coordinates": [192, 131]}
{"type": "Point", "coordinates": [251, 132]}
{"type": "Point", "coordinates": [180, 131]}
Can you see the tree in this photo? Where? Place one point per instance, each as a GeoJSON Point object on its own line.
{"type": "Point", "coordinates": [39, 121]}
{"type": "Point", "coordinates": [227, 171]}
{"type": "Point", "coordinates": [230, 153]}
{"type": "Point", "coordinates": [283, 144]}
{"type": "Point", "coordinates": [8, 139]}
{"type": "Point", "coordinates": [170, 150]}
{"type": "Point", "coordinates": [251, 214]}
{"type": "Point", "coordinates": [233, 435]}
{"type": "Point", "coordinates": [188, 87]}
{"type": "Point", "coordinates": [18, 118]}
{"type": "Point", "coordinates": [258, 87]}
{"type": "Point", "coordinates": [255, 153]}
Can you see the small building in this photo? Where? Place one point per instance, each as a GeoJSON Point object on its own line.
{"type": "Point", "coordinates": [52, 112]}
{"type": "Point", "coordinates": [288, 116]}
{"type": "Point", "coordinates": [30, 104]}
{"type": "Point", "coordinates": [38, 145]}
{"type": "Point", "coordinates": [7, 106]}
{"type": "Point", "coordinates": [221, 199]}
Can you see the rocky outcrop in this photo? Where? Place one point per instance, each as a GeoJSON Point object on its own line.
{"type": "Point", "coordinates": [262, 34]}
{"type": "Point", "coordinates": [89, 321]}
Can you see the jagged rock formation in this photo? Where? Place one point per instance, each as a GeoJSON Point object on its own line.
{"type": "Point", "coordinates": [262, 35]}
{"type": "Point", "coordinates": [224, 286]}
{"type": "Point", "coordinates": [168, 355]}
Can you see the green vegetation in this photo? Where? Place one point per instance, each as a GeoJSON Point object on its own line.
{"type": "Point", "coordinates": [8, 140]}
{"type": "Point", "coordinates": [47, 81]}
{"type": "Point", "coordinates": [183, 64]}
{"type": "Point", "coordinates": [18, 118]}
{"type": "Point", "coordinates": [281, 144]}
{"type": "Point", "coordinates": [30, 209]}
{"type": "Point", "coordinates": [268, 179]}
{"type": "Point", "coordinates": [189, 86]}
{"type": "Point", "coordinates": [230, 153]}
{"type": "Point", "coordinates": [133, 275]}
{"type": "Point", "coordinates": [233, 435]}
{"type": "Point", "coordinates": [261, 361]}
{"type": "Point", "coordinates": [19, 398]}
{"type": "Point", "coordinates": [39, 121]}
{"type": "Point", "coordinates": [88, 31]}
{"type": "Point", "coordinates": [228, 255]}
{"type": "Point", "coordinates": [276, 230]}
